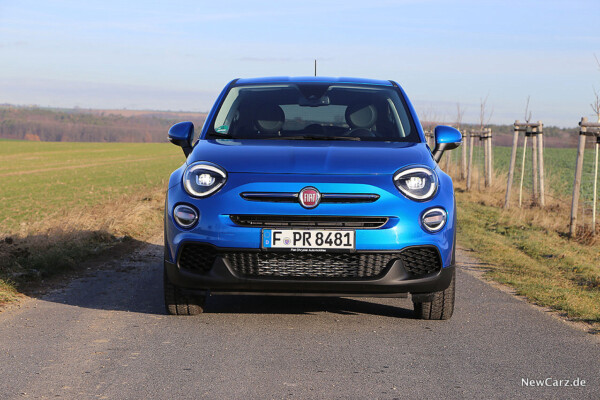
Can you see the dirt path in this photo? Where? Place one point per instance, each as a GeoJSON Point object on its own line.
{"type": "Point", "coordinates": [105, 335]}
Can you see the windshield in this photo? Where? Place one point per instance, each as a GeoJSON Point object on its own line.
{"type": "Point", "coordinates": [314, 111]}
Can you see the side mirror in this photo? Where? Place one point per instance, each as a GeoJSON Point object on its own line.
{"type": "Point", "coordinates": [182, 134]}
{"type": "Point", "coordinates": [446, 138]}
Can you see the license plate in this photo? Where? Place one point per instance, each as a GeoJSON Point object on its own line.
{"type": "Point", "coordinates": [307, 240]}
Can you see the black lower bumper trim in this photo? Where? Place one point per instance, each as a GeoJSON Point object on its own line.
{"type": "Point", "coordinates": [417, 261]}
{"type": "Point", "coordinates": [221, 278]}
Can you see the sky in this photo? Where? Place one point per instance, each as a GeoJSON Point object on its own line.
{"type": "Point", "coordinates": [178, 55]}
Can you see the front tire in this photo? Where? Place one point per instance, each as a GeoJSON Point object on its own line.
{"type": "Point", "coordinates": [441, 305]}
{"type": "Point", "coordinates": [179, 303]}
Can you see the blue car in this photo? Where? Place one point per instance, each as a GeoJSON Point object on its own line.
{"type": "Point", "coordinates": [311, 186]}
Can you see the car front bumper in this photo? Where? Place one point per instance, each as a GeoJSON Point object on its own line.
{"type": "Point", "coordinates": [221, 278]}
{"type": "Point", "coordinates": [231, 242]}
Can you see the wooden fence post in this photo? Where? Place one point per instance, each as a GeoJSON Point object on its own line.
{"type": "Point", "coordinates": [541, 162]}
{"type": "Point", "coordinates": [470, 167]}
{"type": "Point", "coordinates": [511, 168]}
{"type": "Point", "coordinates": [534, 165]}
{"type": "Point", "coordinates": [428, 136]}
{"type": "Point", "coordinates": [463, 159]}
{"type": "Point", "coordinates": [523, 170]}
{"type": "Point", "coordinates": [491, 156]}
{"type": "Point", "coordinates": [486, 158]}
{"type": "Point", "coordinates": [577, 182]}
{"type": "Point", "coordinates": [595, 185]}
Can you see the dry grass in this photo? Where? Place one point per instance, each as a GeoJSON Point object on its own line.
{"type": "Point", "coordinates": [42, 249]}
{"type": "Point", "coordinates": [529, 249]}
{"type": "Point", "coordinates": [555, 216]}
{"type": "Point", "coordinates": [87, 198]}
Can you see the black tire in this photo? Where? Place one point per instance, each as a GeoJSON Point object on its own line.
{"type": "Point", "coordinates": [440, 307]}
{"type": "Point", "coordinates": [178, 303]}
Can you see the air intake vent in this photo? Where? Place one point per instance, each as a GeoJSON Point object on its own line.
{"type": "Point", "coordinates": [310, 265]}
{"type": "Point", "coordinates": [418, 261]}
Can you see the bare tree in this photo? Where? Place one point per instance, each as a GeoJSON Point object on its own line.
{"type": "Point", "coordinates": [482, 113]}
{"type": "Point", "coordinates": [429, 121]}
{"type": "Point", "coordinates": [596, 104]}
{"type": "Point", "coordinates": [487, 144]}
{"type": "Point", "coordinates": [527, 112]}
{"type": "Point", "coordinates": [463, 161]}
{"type": "Point", "coordinates": [459, 115]}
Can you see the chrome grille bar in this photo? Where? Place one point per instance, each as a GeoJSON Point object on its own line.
{"type": "Point", "coordinates": [292, 197]}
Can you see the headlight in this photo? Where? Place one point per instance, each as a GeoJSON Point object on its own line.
{"type": "Point", "coordinates": [203, 179]}
{"type": "Point", "coordinates": [417, 183]}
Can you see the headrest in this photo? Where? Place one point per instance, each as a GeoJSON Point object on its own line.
{"type": "Point", "coordinates": [361, 116]}
{"type": "Point", "coordinates": [269, 118]}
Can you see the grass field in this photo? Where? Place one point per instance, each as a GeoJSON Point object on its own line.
{"type": "Point", "coordinates": [42, 179]}
{"type": "Point", "coordinates": [64, 202]}
{"type": "Point", "coordinates": [559, 169]}
{"type": "Point", "coordinates": [528, 248]}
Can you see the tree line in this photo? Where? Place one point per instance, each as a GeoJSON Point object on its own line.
{"type": "Point", "coordinates": [59, 125]}
{"type": "Point", "coordinates": [79, 125]}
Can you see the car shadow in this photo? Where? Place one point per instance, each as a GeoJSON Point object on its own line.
{"type": "Point", "coordinates": [128, 277]}
{"type": "Point", "coordinates": [258, 304]}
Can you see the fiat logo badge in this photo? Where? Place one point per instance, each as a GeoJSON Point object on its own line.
{"type": "Point", "coordinates": [309, 197]}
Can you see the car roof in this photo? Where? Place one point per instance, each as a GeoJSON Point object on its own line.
{"type": "Point", "coordinates": [312, 79]}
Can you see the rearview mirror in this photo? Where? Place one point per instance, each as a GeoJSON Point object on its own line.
{"type": "Point", "coordinates": [314, 101]}
{"type": "Point", "coordinates": [446, 138]}
{"type": "Point", "coordinates": [182, 134]}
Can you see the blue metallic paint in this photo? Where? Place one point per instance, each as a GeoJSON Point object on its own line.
{"type": "Point", "coordinates": [403, 229]}
{"type": "Point", "coordinates": [447, 134]}
{"type": "Point", "coordinates": [311, 157]}
{"type": "Point", "coordinates": [331, 167]}
{"type": "Point", "coordinates": [181, 132]}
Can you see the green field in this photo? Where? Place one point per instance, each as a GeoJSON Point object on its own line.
{"type": "Point", "coordinates": [559, 169]}
{"type": "Point", "coordinates": [41, 179]}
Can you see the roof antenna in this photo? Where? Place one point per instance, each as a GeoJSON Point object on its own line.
{"type": "Point", "coordinates": [315, 67]}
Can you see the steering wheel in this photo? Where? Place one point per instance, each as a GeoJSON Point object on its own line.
{"type": "Point", "coordinates": [317, 129]}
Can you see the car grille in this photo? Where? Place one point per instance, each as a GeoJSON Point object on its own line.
{"type": "Point", "coordinates": [292, 197]}
{"type": "Point", "coordinates": [418, 262]}
{"type": "Point", "coordinates": [308, 221]}
{"type": "Point", "coordinates": [309, 265]}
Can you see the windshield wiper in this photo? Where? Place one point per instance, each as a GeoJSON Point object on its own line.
{"type": "Point", "coordinates": [313, 137]}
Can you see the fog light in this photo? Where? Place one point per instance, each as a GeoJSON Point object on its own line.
{"type": "Point", "coordinates": [434, 220]}
{"type": "Point", "coordinates": [185, 216]}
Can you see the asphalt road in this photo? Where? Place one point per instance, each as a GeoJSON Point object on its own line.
{"type": "Point", "coordinates": [106, 336]}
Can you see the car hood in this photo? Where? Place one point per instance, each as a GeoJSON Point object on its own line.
{"type": "Point", "coordinates": [311, 156]}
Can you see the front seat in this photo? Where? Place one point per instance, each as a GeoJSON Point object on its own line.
{"type": "Point", "coordinates": [361, 118]}
{"type": "Point", "coordinates": [269, 119]}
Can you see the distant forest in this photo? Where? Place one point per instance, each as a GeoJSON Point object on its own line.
{"type": "Point", "coordinates": [77, 125]}
{"type": "Point", "coordinates": [503, 134]}
{"type": "Point", "coordinates": [81, 125]}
